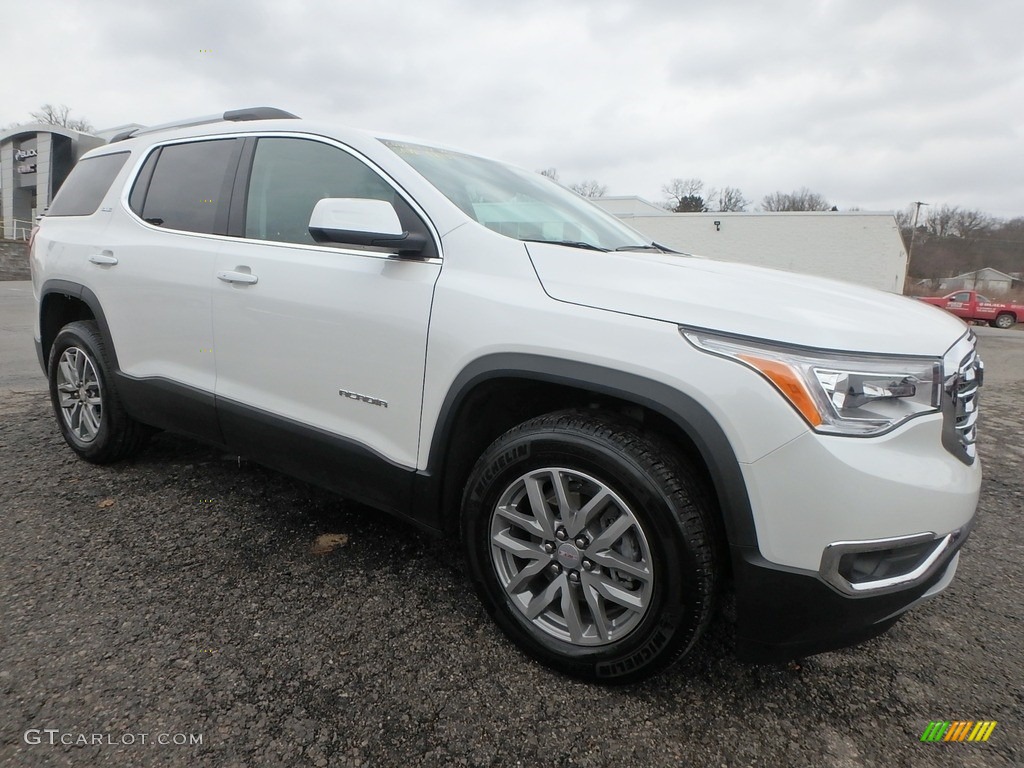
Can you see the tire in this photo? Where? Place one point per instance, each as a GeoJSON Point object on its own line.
{"type": "Point", "coordinates": [85, 399]}
{"type": "Point", "coordinates": [617, 595]}
{"type": "Point", "coordinates": [1005, 320]}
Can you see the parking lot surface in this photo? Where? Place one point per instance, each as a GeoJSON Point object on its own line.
{"type": "Point", "coordinates": [182, 596]}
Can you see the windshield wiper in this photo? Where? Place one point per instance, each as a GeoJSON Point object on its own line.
{"type": "Point", "coordinates": [652, 247]}
{"type": "Point", "coordinates": [570, 243]}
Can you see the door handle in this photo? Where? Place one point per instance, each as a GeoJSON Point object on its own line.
{"type": "Point", "coordinates": [104, 259]}
{"type": "Point", "coordinates": [246, 278]}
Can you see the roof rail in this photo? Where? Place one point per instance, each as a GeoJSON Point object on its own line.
{"type": "Point", "coordinates": [259, 113]}
{"type": "Point", "coordinates": [123, 135]}
{"type": "Point", "coordinates": [233, 115]}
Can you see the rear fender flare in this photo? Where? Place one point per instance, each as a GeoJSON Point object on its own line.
{"type": "Point", "coordinates": [87, 297]}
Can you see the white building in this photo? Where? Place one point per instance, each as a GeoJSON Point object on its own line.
{"type": "Point", "coordinates": [985, 280]}
{"type": "Point", "coordinates": [858, 247]}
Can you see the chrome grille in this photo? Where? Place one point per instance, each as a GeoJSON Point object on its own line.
{"type": "Point", "coordinates": [963, 373]}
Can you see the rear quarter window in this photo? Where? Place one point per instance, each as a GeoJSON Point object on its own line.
{"type": "Point", "coordinates": [84, 190]}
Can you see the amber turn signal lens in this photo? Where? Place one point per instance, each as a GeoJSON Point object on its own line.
{"type": "Point", "coordinates": [789, 383]}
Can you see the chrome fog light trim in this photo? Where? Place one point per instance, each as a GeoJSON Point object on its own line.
{"type": "Point", "coordinates": [878, 566]}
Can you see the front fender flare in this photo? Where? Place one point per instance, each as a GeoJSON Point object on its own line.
{"type": "Point", "coordinates": [681, 409]}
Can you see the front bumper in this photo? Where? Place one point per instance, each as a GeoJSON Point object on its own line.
{"type": "Point", "coordinates": [786, 613]}
{"type": "Point", "coordinates": [818, 490]}
{"type": "Point", "coordinates": [858, 534]}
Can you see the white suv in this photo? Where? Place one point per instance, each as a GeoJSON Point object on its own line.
{"type": "Point", "coordinates": [614, 432]}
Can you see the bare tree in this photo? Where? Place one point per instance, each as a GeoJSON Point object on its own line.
{"type": "Point", "coordinates": [589, 188]}
{"type": "Point", "coordinates": [551, 173]}
{"type": "Point", "coordinates": [728, 199]}
{"type": "Point", "coordinates": [684, 196]}
{"type": "Point", "coordinates": [61, 115]}
{"type": "Point", "coordinates": [940, 220]}
{"type": "Point", "coordinates": [800, 200]}
{"type": "Point", "coordinates": [967, 223]}
{"type": "Point", "coordinates": [905, 219]}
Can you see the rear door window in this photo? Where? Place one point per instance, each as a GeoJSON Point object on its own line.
{"type": "Point", "coordinates": [84, 190]}
{"type": "Point", "coordinates": [190, 186]}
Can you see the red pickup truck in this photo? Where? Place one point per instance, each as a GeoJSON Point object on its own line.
{"type": "Point", "coordinates": [971, 305]}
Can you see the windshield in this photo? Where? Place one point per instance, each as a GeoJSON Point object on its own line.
{"type": "Point", "coordinates": [517, 203]}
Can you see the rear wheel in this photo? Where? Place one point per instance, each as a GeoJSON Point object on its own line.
{"type": "Point", "coordinates": [591, 544]}
{"type": "Point", "coordinates": [1005, 320]}
{"type": "Point", "coordinates": [85, 399]}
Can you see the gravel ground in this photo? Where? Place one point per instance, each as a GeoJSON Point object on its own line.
{"type": "Point", "coordinates": [179, 596]}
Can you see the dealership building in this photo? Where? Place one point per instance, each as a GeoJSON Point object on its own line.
{"type": "Point", "coordinates": [35, 158]}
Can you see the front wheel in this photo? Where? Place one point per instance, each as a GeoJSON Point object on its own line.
{"type": "Point", "coordinates": [1005, 320]}
{"type": "Point", "coordinates": [591, 543]}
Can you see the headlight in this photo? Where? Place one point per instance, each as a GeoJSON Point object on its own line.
{"type": "Point", "coordinates": [837, 393]}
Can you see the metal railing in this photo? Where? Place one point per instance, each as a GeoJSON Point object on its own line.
{"type": "Point", "coordinates": [15, 229]}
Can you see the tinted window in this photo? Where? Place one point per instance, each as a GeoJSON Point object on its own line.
{"type": "Point", "coordinates": [138, 197]}
{"type": "Point", "coordinates": [289, 176]}
{"type": "Point", "coordinates": [83, 191]}
{"type": "Point", "coordinates": [189, 184]}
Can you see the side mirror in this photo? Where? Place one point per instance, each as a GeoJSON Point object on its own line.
{"type": "Point", "coordinates": [358, 221]}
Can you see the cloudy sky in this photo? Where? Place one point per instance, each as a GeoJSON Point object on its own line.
{"type": "Point", "coordinates": [871, 103]}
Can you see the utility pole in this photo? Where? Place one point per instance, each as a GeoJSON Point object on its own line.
{"type": "Point", "coordinates": [913, 233]}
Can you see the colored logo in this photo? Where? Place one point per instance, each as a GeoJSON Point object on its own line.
{"type": "Point", "coordinates": [958, 730]}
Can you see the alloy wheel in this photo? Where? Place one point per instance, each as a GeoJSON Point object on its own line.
{"type": "Point", "coordinates": [572, 556]}
{"type": "Point", "coordinates": [79, 394]}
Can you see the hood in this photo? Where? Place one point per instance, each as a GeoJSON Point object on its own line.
{"type": "Point", "coordinates": [749, 301]}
